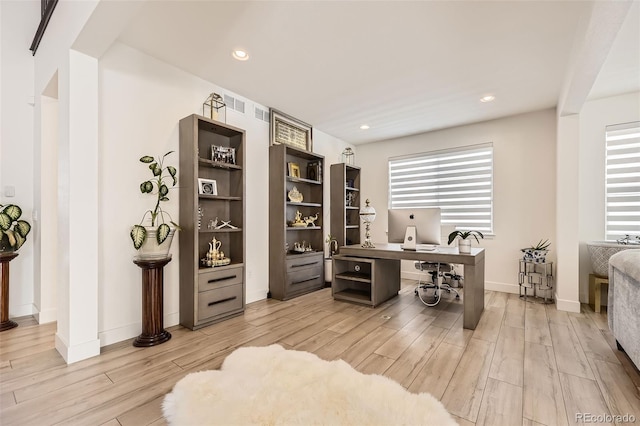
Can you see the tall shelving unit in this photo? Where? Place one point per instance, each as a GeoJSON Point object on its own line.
{"type": "Point", "coordinates": [211, 294]}
{"type": "Point", "coordinates": [345, 215]}
{"type": "Point", "coordinates": [292, 274]}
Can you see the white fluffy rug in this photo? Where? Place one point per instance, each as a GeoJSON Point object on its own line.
{"type": "Point", "coordinates": [274, 386]}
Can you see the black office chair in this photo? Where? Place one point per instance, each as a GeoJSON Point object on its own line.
{"type": "Point", "coordinates": [439, 273]}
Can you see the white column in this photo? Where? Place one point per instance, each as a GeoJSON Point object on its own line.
{"type": "Point", "coordinates": [46, 208]}
{"type": "Point", "coordinates": [77, 336]}
{"type": "Point", "coordinates": [567, 210]}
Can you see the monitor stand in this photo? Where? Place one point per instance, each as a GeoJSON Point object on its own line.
{"type": "Point", "coordinates": [409, 239]}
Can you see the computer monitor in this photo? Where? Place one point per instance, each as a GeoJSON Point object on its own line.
{"type": "Point", "coordinates": [414, 226]}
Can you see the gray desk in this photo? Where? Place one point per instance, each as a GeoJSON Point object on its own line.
{"type": "Point", "coordinates": [473, 298]}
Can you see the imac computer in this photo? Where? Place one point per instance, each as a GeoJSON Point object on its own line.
{"type": "Point", "coordinates": [413, 227]}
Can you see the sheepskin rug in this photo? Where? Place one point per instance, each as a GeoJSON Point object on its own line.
{"type": "Point", "coordinates": [273, 386]}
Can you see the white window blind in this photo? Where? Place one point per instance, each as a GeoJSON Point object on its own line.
{"type": "Point", "coordinates": [623, 180]}
{"type": "Point", "coordinates": [459, 181]}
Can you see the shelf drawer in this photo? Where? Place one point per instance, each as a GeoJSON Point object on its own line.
{"type": "Point", "coordinates": [304, 280]}
{"type": "Point", "coordinates": [219, 301]}
{"type": "Point", "coordinates": [219, 278]}
{"type": "Point", "coordinates": [303, 262]}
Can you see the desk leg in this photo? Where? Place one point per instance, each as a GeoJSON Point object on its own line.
{"type": "Point", "coordinates": [473, 295]}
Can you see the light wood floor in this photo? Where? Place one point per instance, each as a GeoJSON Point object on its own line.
{"type": "Point", "coordinates": [525, 364]}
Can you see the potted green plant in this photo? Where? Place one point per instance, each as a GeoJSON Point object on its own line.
{"type": "Point", "coordinates": [13, 230]}
{"type": "Point", "coordinates": [464, 241]}
{"type": "Point", "coordinates": [153, 240]}
{"type": "Point", "coordinates": [536, 253]}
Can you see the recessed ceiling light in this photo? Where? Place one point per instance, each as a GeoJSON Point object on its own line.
{"type": "Point", "coordinates": [364, 127]}
{"type": "Point", "coordinates": [487, 98]}
{"type": "Point", "coordinates": [240, 55]}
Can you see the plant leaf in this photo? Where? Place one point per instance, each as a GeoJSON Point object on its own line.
{"type": "Point", "coordinates": [146, 159]}
{"type": "Point", "coordinates": [164, 199]}
{"type": "Point", "coordinates": [146, 187]}
{"type": "Point", "coordinates": [176, 226]}
{"type": "Point", "coordinates": [163, 190]}
{"type": "Point", "coordinates": [13, 211]}
{"type": "Point", "coordinates": [172, 171]}
{"type": "Point", "coordinates": [163, 233]}
{"type": "Point", "coordinates": [138, 235]}
{"type": "Point", "coordinates": [22, 228]}
{"type": "Point", "coordinates": [5, 221]}
{"type": "Point", "coordinates": [19, 240]}
{"type": "Point", "coordinates": [170, 152]}
{"type": "Point", "coordinates": [12, 237]}
{"type": "Point", "coordinates": [453, 235]}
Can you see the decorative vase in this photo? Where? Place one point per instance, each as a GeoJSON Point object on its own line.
{"type": "Point", "coordinates": [535, 256]}
{"type": "Point", "coordinates": [464, 246]}
{"type": "Point", "coordinates": [328, 269]}
{"type": "Point", "coordinates": [151, 249]}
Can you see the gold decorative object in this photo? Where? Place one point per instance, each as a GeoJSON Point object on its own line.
{"type": "Point", "coordinates": [295, 195]}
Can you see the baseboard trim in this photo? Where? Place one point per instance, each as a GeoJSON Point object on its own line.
{"type": "Point", "coordinates": [502, 287]}
{"type": "Point", "coordinates": [256, 295]}
{"type": "Point", "coordinates": [567, 305]}
{"type": "Point", "coordinates": [76, 353]}
{"type": "Point", "coordinates": [488, 285]}
{"type": "Point", "coordinates": [22, 310]}
{"type": "Point", "coordinates": [46, 316]}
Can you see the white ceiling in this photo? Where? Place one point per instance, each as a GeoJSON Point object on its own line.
{"type": "Point", "coordinates": [400, 67]}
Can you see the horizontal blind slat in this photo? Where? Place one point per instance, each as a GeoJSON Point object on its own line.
{"type": "Point", "coordinates": [459, 181]}
{"type": "Point", "coordinates": [622, 180]}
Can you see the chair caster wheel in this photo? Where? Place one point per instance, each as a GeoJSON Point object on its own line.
{"type": "Point", "coordinates": [457, 296]}
{"type": "Point", "coordinates": [415, 292]}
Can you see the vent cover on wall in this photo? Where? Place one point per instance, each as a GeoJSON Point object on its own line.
{"type": "Point", "coordinates": [234, 104]}
{"type": "Point", "coordinates": [262, 114]}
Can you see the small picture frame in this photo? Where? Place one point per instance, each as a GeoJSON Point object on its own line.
{"type": "Point", "coordinates": [223, 154]}
{"type": "Point", "coordinates": [294, 170]}
{"type": "Point", "coordinates": [207, 187]}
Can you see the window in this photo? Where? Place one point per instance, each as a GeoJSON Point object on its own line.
{"type": "Point", "coordinates": [623, 180]}
{"type": "Point", "coordinates": [459, 181]}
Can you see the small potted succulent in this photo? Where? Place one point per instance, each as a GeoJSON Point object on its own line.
{"type": "Point", "coordinates": [536, 253]}
{"type": "Point", "coordinates": [13, 230]}
{"type": "Point", "coordinates": [464, 241]}
{"type": "Point", "coordinates": [153, 240]}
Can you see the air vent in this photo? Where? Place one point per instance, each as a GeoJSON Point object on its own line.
{"type": "Point", "coordinates": [234, 104]}
{"type": "Point", "coordinates": [262, 114]}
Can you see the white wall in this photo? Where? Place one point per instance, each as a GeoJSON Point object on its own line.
{"type": "Point", "coordinates": [524, 184]}
{"type": "Point", "coordinates": [141, 103]}
{"type": "Point", "coordinates": [594, 117]}
{"type": "Point", "coordinates": [18, 22]}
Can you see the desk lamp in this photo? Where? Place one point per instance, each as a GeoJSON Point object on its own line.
{"type": "Point", "coordinates": [368, 215]}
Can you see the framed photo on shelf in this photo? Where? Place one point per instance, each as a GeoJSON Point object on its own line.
{"type": "Point", "coordinates": [223, 154]}
{"type": "Point", "coordinates": [207, 187]}
{"type": "Point", "coordinates": [294, 170]}
{"type": "Point", "coordinates": [287, 130]}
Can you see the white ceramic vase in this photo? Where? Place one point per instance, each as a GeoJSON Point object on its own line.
{"type": "Point", "coordinates": [464, 246]}
{"type": "Point", "coordinates": [151, 250]}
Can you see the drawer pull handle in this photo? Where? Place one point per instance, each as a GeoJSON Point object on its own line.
{"type": "Point", "coordinates": [222, 300]}
{"type": "Point", "coordinates": [304, 264]}
{"type": "Point", "coordinates": [315, 277]}
{"type": "Point", "coordinates": [215, 280]}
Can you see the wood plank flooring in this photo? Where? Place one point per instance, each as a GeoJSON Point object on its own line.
{"type": "Point", "coordinates": [525, 364]}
